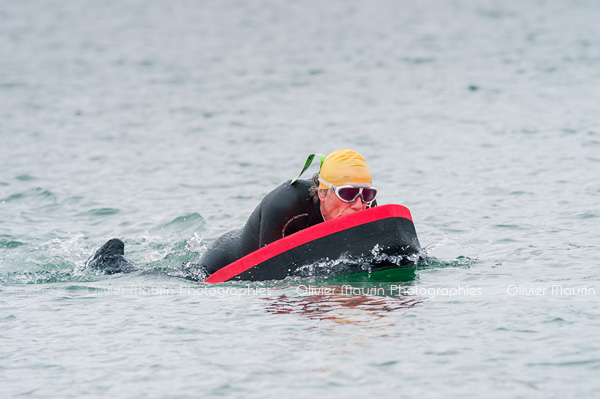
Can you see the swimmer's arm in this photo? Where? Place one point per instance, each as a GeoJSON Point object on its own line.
{"type": "Point", "coordinates": [278, 208]}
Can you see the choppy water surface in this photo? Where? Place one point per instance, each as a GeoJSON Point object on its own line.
{"type": "Point", "coordinates": [165, 123]}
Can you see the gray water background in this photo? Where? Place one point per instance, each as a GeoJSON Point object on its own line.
{"type": "Point", "coordinates": [165, 123]}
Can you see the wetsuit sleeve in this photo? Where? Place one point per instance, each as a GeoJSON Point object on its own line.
{"type": "Point", "coordinates": [271, 220]}
{"type": "Point", "coordinates": [283, 211]}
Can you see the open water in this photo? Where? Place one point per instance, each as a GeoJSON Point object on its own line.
{"type": "Point", "coordinates": [164, 123]}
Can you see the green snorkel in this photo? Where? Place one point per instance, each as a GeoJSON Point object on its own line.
{"type": "Point", "coordinates": [309, 162]}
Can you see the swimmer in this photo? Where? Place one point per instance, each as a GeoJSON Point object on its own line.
{"type": "Point", "coordinates": [342, 186]}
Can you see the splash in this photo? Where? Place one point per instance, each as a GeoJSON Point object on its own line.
{"type": "Point", "coordinates": [346, 264]}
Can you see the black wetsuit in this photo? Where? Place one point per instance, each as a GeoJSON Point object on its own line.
{"type": "Point", "coordinates": [284, 211]}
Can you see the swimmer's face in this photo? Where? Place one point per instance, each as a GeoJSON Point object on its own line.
{"type": "Point", "coordinates": [332, 207]}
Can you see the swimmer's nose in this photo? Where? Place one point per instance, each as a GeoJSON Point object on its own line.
{"type": "Point", "coordinates": [357, 204]}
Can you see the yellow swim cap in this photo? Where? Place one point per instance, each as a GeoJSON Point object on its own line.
{"type": "Point", "coordinates": [345, 167]}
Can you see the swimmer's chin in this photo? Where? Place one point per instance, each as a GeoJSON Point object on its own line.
{"type": "Point", "coordinates": [346, 213]}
